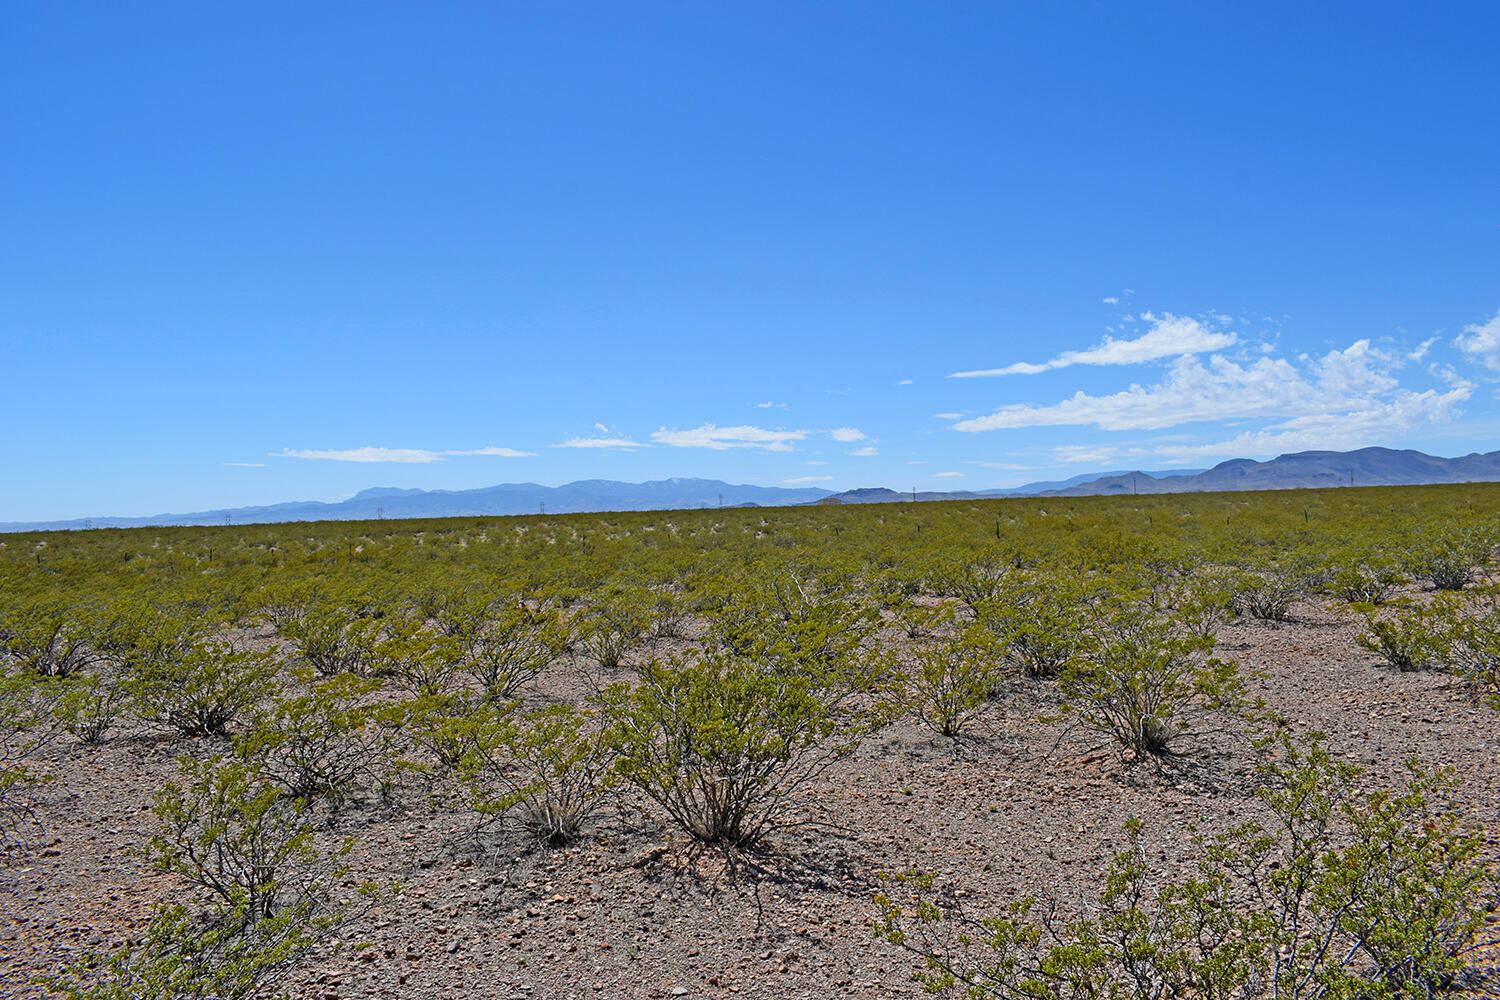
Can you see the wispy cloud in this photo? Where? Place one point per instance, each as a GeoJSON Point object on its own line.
{"type": "Point", "coordinates": [1334, 431]}
{"type": "Point", "coordinates": [769, 404]}
{"type": "Point", "coordinates": [721, 438]}
{"type": "Point", "coordinates": [1169, 337]}
{"type": "Point", "coordinates": [808, 479]}
{"type": "Point", "coordinates": [868, 451]}
{"type": "Point", "coordinates": [1070, 454]}
{"type": "Point", "coordinates": [611, 442]}
{"type": "Point", "coordinates": [1353, 379]}
{"type": "Point", "coordinates": [404, 456]}
{"type": "Point", "coordinates": [246, 465]}
{"type": "Point", "coordinates": [847, 434]}
{"type": "Point", "coordinates": [947, 475]}
{"type": "Point", "coordinates": [947, 416]}
{"type": "Point", "coordinates": [1481, 342]}
{"type": "Point", "coordinates": [368, 454]}
{"type": "Point", "coordinates": [905, 381]}
{"type": "Point", "coordinates": [495, 452]}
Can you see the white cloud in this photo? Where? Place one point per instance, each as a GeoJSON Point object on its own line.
{"type": "Point", "coordinates": [1481, 342]}
{"type": "Point", "coordinates": [816, 461]}
{"type": "Point", "coordinates": [1170, 336]}
{"type": "Point", "coordinates": [1335, 431]}
{"type": "Point", "coordinates": [246, 465]}
{"type": "Point", "coordinates": [495, 452]}
{"type": "Point", "coordinates": [625, 443]}
{"type": "Point", "coordinates": [948, 416]}
{"type": "Point", "coordinates": [947, 475]}
{"type": "Point", "coordinates": [1422, 349]}
{"type": "Point", "coordinates": [1221, 390]}
{"type": "Point", "coordinates": [402, 455]}
{"type": "Point", "coordinates": [768, 404]}
{"type": "Point", "coordinates": [905, 381]}
{"type": "Point", "coordinates": [1074, 453]}
{"type": "Point", "coordinates": [808, 479]}
{"type": "Point", "coordinates": [847, 434]}
{"type": "Point", "coordinates": [720, 438]}
{"type": "Point", "coordinates": [407, 456]}
{"type": "Point", "coordinates": [868, 451]}
{"type": "Point", "coordinates": [1112, 300]}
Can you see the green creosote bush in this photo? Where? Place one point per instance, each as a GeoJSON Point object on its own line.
{"type": "Point", "coordinates": [1449, 559]}
{"type": "Point", "coordinates": [333, 638]}
{"type": "Point", "coordinates": [951, 679]}
{"type": "Point", "coordinates": [505, 643]}
{"type": "Point", "coordinates": [977, 581]}
{"type": "Point", "coordinates": [26, 705]}
{"type": "Point", "coordinates": [1342, 896]}
{"type": "Point", "coordinates": [1038, 621]}
{"type": "Point", "coordinates": [268, 894]}
{"type": "Point", "coordinates": [324, 744]}
{"type": "Point", "coordinates": [1370, 580]}
{"type": "Point", "coordinates": [48, 640]}
{"type": "Point", "coordinates": [919, 621]}
{"type": "Point", "coordinates": [725, 743]}
{"type": "Point", "coordinates": [1417, 639]}
{"type": "Point", "coordinates": [426, 663]}
{"type": "Point", "coordinates": [615, 623]}
{"type": "Point", "coordinates": [796, 626]}
{"type": "Point", "coordinates": [1138, 672]}
{"type": "Point", "coordinates": [1472, 638]}
{"type": "Point", "coordinates": [1267, 594]}
{"type": "Point", "coordinates": [448, 726]}
{"type": "Point", "coordinates": [546, 769]}
{"type": "Point", "coordinates": [200, 689]}
{"type": "Point", "coordinates": [89, 706]}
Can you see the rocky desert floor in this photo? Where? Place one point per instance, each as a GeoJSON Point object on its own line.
{"type": "Point", "coordinates": [634, 910]}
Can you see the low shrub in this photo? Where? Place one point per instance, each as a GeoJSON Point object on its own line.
{"type": "Point", "coordinates": [725, 743]}
{"type": "Point", "coordinates": [952, 678]}
{"type": "Point", "coordinates": [89, 706]}
{"type": "Point", "coordinates": [1413, 640]}
{"type": "Point", "coordinates": [1267, 594]}
{"type": "Point", "coordinates": [268, 894]}
{"type": "Point", "coordinates": [323, 744]}
{"type": "Point", "coordinates": [1339, 896]}
{"type": "Point", "coordinates": [545, 769]}
{"type": "Point", "coordinates": [1138, 672]}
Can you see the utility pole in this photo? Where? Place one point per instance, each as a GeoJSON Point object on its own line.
{"type": "Point", "coordinates": [380, 513]}
{"type": "Point", "coordinates": [721, 501]}
{"type": "Point", "coordinates": [543, 505]}
{"type": "Point", "coordinates": [913, 494]}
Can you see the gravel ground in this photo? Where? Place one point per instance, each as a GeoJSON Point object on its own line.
{"type": "Point", "coordinates": [635, 911]}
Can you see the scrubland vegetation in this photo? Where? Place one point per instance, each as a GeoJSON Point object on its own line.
{"type": "Point", "coordinates": [704, 677]}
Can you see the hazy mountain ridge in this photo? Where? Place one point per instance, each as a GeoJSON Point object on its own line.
{"type": "Point", "coordinates": [1303, 470]}
{"type": "Point", "coordinates": [1300, 470]}
{"type": "Point", "coordinates": [584, 496]}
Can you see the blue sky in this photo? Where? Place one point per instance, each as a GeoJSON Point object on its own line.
{"type": "Point", "coordinates": [262, 252]}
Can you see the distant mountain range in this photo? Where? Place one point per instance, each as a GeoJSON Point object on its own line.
{"type": "Point", "coordinates": [1300, 471]}
{"type": "Point", "coordinates": [488, 501]}
{"type": "Point", "coordinates": [1303, 470]}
